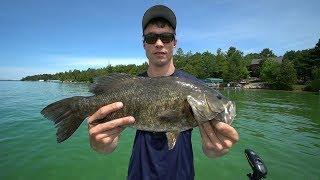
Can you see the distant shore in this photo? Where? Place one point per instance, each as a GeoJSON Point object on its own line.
{"type": "Point", "coordinates": [258, 85]}
{"type": "Point", "coordinates": [8, 80]}
{"type": "Point", "coordinates": [247, 86]}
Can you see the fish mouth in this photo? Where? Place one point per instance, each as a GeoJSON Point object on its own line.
{"type": "Point", "coordinates": [225, 114]}
{"type": "Point", "coordinates": [229, 112]}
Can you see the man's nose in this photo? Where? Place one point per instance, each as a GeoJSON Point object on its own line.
{"type": "Point", "coordinates": [159, 43]}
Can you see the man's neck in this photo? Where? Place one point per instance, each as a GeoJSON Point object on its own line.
{"type": "Point", "coordinates": [166, 70]}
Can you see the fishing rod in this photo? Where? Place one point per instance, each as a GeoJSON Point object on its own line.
{"type": "Point", "coordinates": [259, 169]}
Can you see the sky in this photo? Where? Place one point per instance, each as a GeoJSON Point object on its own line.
{"type": "Point", "coordinates": [50, 36]}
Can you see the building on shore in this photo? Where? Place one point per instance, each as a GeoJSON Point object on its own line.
{"type": "Point", "coordinates": [256, 65]}
{"type": "Point", "coordinates": [213, 82]}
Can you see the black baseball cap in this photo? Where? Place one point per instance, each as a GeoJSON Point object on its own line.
{"type": "Point", "coordinates": [159, 11]}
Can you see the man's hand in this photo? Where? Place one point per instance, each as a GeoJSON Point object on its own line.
{"type": "Point", "coordinates": [104, 137]}
{"type": "Point", "coordinates": [217, 138]}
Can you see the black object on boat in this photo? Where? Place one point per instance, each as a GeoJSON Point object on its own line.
{"type": "Point", "coordinates": [259, 169]}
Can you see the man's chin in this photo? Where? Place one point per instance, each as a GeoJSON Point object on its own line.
{"type": "Point", "coordinates": [161, 62]}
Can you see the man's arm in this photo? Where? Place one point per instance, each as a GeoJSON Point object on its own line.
{"type": "Point", "coordinates": [217, 138]}
{"type": "Point", "coordinates": [104, 137]}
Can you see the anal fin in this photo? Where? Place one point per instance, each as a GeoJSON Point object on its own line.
{"type": "Point", "coordinates": [172, 139]}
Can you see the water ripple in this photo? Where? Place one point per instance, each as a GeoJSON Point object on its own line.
{"type": "Point", "coordinates": [284, 127]}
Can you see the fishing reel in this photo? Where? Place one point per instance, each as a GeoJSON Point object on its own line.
{"type": "Point", "coordinates": [259, 169]}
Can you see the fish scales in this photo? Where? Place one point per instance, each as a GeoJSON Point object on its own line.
{"type": "Point", "coordinates": [151, 96]}
{"type": "Point", "coordinates": [162, 104]}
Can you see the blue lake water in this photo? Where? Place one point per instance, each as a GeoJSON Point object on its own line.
{"type": "Point", "coordinates": [282, 127]}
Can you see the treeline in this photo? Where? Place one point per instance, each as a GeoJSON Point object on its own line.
{"type": "Point", "coordinates": [295, 67]}
{"type": "Point", "coordinates": [302, 67]}
{"type": "Point", "coordinates": [89, 74]}
{"type": "Point", "coordinates": [231, 66]}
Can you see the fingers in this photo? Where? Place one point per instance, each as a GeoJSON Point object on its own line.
{"type": "Point", "coordinates": [104, 136]}
{"type": "Point", "coordinates": [115, 131]}
{"type": "Point", "coordinates": [210, 138]}
{"type": "Point", "coordinates": [221, 153]}
{"type": "Point", "coordinates": [103, 111]}
{"type": "Point", "coordinates": [110, 139]}
{"type": "Point", "coordinates": [110, 125]}
{"type": "Point", "coordinates": [225, 142]}
{"type": "Point", "coordinates": [225, 131]}
{"type": "Point", "coordinates": [217, 138]}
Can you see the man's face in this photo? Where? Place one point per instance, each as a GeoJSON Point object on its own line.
{"type": "Point", "coordinates": [159, 53]}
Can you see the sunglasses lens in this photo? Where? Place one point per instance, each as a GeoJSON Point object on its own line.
{"type": "Point", "coordinates": [152, 38]}
{"type": "Point", "coordinates": [166, 38]}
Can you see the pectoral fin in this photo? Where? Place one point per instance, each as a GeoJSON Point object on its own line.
{"type": "Point", "coordinates": [172, 139]}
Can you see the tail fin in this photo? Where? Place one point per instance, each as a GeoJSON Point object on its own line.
{"type": "Point", "coordinates": [66, 115]}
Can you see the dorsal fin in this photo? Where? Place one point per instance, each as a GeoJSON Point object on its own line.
{"type": "Point", "coordinates": [103, 83]}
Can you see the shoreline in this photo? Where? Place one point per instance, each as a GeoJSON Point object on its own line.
{"type": "Point", "coordinates": [249, 86]}
{"type": "Point", "coordinates": [263, 86]}
{"type": "Point", "coordinates": [9, 80]}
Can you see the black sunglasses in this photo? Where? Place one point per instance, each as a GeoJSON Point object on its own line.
{"type": "Point", "coordinates": [164, 37]}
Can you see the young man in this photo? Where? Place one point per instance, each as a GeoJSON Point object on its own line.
{"type": "Point", "coordinates": [150, 157]}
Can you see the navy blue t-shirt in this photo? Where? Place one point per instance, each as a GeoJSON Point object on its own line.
{"type": "Point", "coordinates": [151, 158]}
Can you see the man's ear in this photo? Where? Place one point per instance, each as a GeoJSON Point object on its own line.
{"type": "Point", "coordinates": [144, 45]}
{"type": "Point", "coordinates": [174, 43]}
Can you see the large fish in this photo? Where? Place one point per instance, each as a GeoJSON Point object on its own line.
{"type": "Point", "coordinates": [161, 104]}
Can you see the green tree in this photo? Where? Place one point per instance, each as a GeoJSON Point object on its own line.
{"type": "Point", "coordinates": [196, 61]}
{"type": "Point", "coordinates": [207, 65]}
{"type": "Point", "coordinates": [270, 70]}
{"type": "Point", "coordinates": [253, 56]}
{"type": "Point", "coordinates": [142, 68]}
{"type": "Point", "coordinates": [190, 69]}
{"type": "Point", "coordinates": [179, 59]}
{"type": "Point", "coordinates": [236, 66]}
{"type": "Point", "coordinates": [287, 76]}
{"type": "Point", "coordinates": [316, 73]}
{"type": "Point", "coordinates": [179, 52]}
{"type": "Point", "coordinates": [318, 45]}
{"type": "Point", "coordinates": [305, 61]}
{"type": "Point", "coordinates": [267, 53]}
{"type": "Point", "coordinates": [278, 76]}
{"type": "Point", "coordinates": [289, 55]}
{"type": "Point", "coordinates": [220, 64]}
